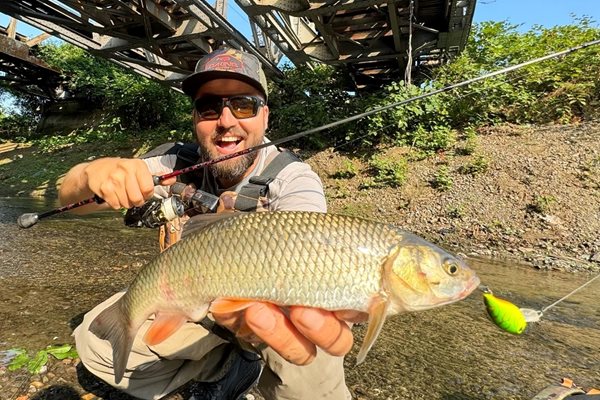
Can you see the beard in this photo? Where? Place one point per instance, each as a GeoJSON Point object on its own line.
{"type": "Point", "coordinates": [228, 170]}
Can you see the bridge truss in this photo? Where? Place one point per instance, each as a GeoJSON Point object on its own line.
{"type": "Point", "coordinates": [377, 41]}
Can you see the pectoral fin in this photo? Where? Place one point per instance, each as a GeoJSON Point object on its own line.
{"type": "Point", "coordinates": [229, 305]}
{"type": "Point", "coordinates": [163, 326]}
{"type": "Point", "coordinates": [377, 314]}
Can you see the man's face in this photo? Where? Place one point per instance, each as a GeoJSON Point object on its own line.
{"type": "Point", "coordinates": [228, 134]}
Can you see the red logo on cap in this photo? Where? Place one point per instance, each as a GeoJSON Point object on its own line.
{"type": "Point", "coordinates": [225, 62]}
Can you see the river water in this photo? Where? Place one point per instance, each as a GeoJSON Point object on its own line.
{"type": "Point", "coordinates": [53, 272]}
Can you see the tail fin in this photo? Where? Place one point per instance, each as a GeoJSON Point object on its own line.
{"type": "Point", "coordinates": [114, 325]}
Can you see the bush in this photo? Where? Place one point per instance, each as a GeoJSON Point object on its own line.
{"type": "Point", "coordinates": [478, 165]}
{"type": "Point", "coordinates": [422, 124]}
{"type": "Point", "coordinates": [557, 90]}
{"type": "Point", "coordinates": [138, 102]}
{"type": "Point", "coordinates": [307, 98]}
{"type": "Point", "coordinates": [442, 180]}
{"type": "Point", "coordinates": [16, 127]}
{"type": "Point", "coordinates": [389, 171]}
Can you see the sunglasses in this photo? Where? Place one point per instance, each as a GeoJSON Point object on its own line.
{"type": "Point", "coordinates": [211, 107]}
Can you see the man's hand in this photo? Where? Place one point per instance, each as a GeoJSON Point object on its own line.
{"type": "Point", "coordinates": [295, 335]}
{"type": "Point", "coordinates": [121, 182]}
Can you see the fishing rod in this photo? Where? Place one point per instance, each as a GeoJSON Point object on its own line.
{"type": "Point", "coordinates": [27, 220]}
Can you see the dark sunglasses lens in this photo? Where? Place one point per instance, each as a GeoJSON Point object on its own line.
{"type": "Point", "coordinates": [243, 106]}
{"type": "Point", "coordinates": [209, 107]}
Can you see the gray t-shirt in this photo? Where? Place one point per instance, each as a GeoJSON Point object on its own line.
{"type": "Point", "coordinates": [296, 188]}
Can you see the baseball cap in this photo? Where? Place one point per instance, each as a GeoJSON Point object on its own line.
{"type": "Point", "coordinates": [226, 63]}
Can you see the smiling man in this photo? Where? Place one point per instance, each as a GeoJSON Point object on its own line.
{"type": "Point", "coordinates": [300, 350]}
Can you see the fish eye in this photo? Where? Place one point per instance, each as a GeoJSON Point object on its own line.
{"type": "Point", "coordinates": [451, 267]}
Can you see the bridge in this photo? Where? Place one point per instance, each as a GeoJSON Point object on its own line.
{"type": "Point", "coordinates": [376, 41]}
{"type": "Point", "coordinates": [21, 70]}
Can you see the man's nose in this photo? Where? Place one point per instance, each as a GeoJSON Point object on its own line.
{"type": "Point", "coordinates": [227, 119]}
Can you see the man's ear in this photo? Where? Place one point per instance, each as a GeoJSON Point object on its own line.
{"type": "Point", "coordinates": [266, 116]}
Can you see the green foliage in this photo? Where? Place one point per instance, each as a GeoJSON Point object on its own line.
{"type": "Point", "coordinates": [478, 165]}
{"type": "Point", "coordinates": [139, 102]}
{"type": "Point", "coordinates": [541, 204]}
{"type": "Point", "coordinates": [471, 142]}
{"type": "Point", "coordinates": [111, 131]}
{"type": "Point", "coordinates": [423, 124]}
{"type": "Point", "coordinates": [387, 171]}
{"type": "Point", "coordinates": [107, 131]}
{"type": "Point", "coordinates": [16, 127]}
{"type": "Point", "coordinates": [442, 180]}
{"type": "Point", "coordinates": [307, 98]}
{"type": "Point", "coordinates": [455, 212]}
{"type": "Point", "coordinates": [557, 90]}
{"type": "Point", "coordinates": [35, 364]}
{"type": "Point", "coordinates": [347, 171]}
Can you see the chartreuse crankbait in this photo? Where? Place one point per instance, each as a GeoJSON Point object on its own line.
{"type": "Point", "coordinates": [503, 313]}
{"type": "Point", "coordinates": [513, 319]}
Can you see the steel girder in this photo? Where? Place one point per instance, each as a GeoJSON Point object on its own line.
{"type": "Point", "coordinates": [20, 69]}
{"type": "Point", "coordinates": [160, 39]}
{"type": "Point", "coordinates": [369, 37]}
{"type": "Point", "coordinates": [163, 39]}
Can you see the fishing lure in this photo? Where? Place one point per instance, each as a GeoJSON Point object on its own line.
{"type": "Point", "coordinates": [504, 314]}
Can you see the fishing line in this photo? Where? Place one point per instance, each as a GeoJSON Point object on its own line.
{"type": "Point", "coordinates": [532, 315]}
{"type": "Point", "coordinates": [460, 94]}
{"type": "Point", "coordinates": [513, 319]}
{"type": "Point", "coordinates": [27, 220]}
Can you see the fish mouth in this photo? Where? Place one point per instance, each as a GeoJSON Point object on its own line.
{"type": "Point", "coordinates": [228, 144]}
{"type": "Point", "coordinates": [474, 283]}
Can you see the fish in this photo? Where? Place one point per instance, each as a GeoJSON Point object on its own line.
{"type": "Point", "coordinates": [329, 261]}
{"type": "Point", "coordinates": [504, 314]}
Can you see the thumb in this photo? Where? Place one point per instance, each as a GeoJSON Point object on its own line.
{"type": "Point", "coordinates": [169, 181]}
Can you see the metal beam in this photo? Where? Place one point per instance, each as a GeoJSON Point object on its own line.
{"type": "Point", "coordinates": [164, 39]}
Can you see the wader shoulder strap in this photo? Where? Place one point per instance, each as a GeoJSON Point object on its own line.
{"type": "Point", "coordinates": [258, 186]}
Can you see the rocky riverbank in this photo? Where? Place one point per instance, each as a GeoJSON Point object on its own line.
{"type": "Point", "coordinates": [526, 193]}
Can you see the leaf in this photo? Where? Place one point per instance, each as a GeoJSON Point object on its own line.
{"type": "Point", "coordinates": [20, 360]}
{"type": "Point", "coordinates": [60, 352]}
{"type": "Point", "coordinates": [35, 366]}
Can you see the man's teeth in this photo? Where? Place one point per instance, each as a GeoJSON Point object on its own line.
{"type": "Point", "coordinates": [230, 139]}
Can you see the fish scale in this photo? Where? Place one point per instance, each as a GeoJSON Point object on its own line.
{"type": "Point", "coordinates": [328, 261]}
{"type": "Point", "coordinates": [314, 258]}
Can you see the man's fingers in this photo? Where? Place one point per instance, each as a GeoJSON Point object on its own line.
{"type": "Point", "coordinates": [352, 316]}
{"type": "Point", "coordinates": [270, 324]}
{"type": "Point", "coordinates": [323, 328]}
{"type": "Point", "coordinates": [231, 321]}
{"type": "Point", "coordinates": [134, 191]}
{"type": "Point", "coordinates": [169, 182]}
{"type": "Point", "coordinates": [145, 180]}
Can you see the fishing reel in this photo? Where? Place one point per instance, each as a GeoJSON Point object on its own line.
{"type": "Point", "coordinates": [155, 213]}
{"type": "Point", "coordinates": [159, 211]}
